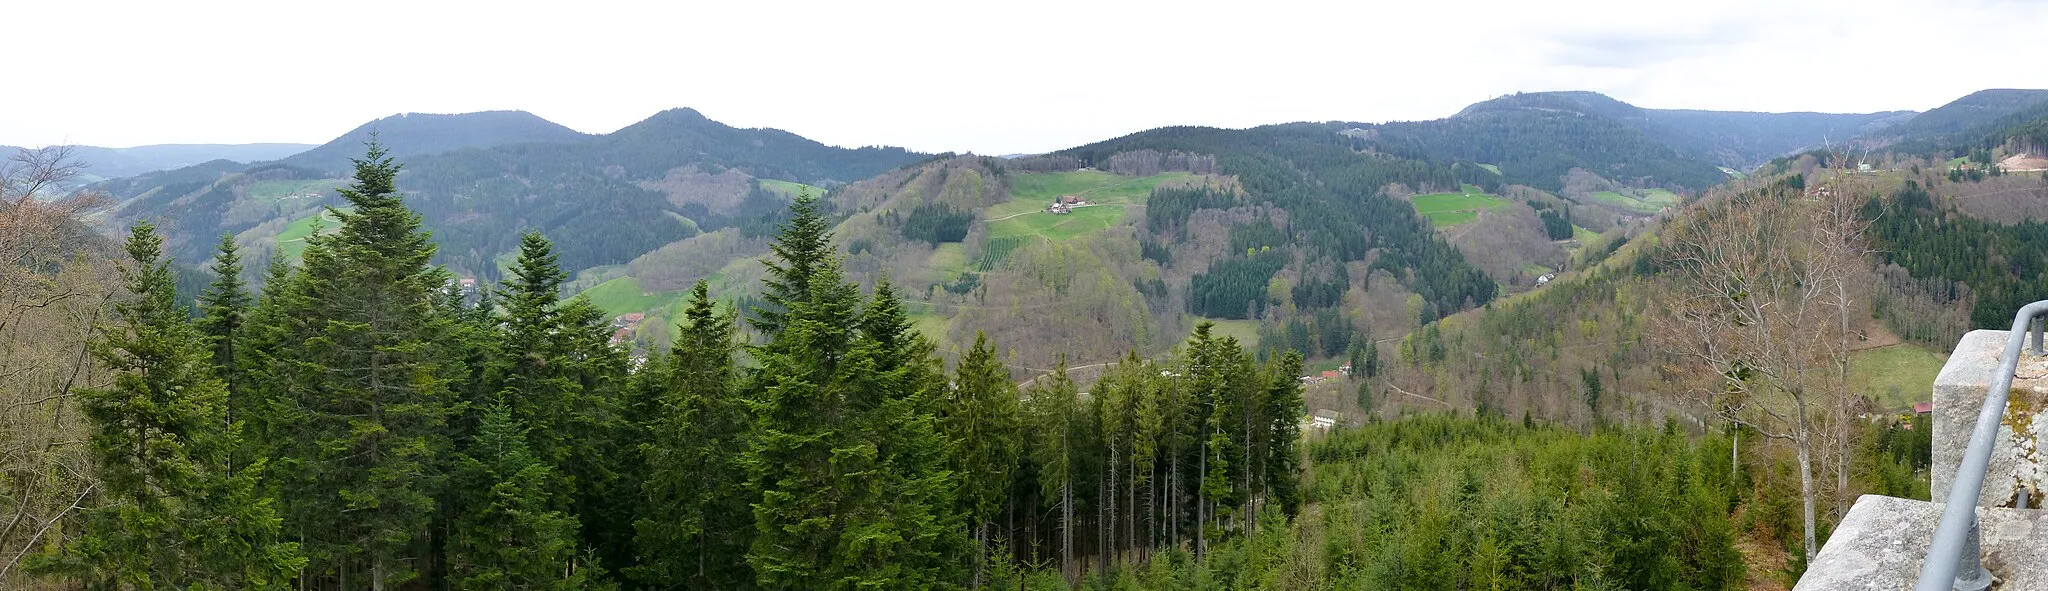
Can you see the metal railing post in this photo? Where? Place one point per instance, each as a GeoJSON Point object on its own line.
{"type": "Point", "coordinates": [1957, 533]}
{"type": "Point", "coordinates": [2040, 327]}
{"type": "Point", "coordinates": [1970, 573]}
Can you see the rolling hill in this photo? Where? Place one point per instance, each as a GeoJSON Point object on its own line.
{"type": "Point", "coordinates": [1963, 120]}
{"type": "Point", "coordinates": [1537, 138]}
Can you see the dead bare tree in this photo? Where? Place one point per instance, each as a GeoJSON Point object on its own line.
{"type": "Point", "coordinates": [1757, 316]}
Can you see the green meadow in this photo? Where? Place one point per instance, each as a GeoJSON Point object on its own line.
{"type": "Point", "coordinates": [292, 240]}
{"type": "Point", "coordinates": [1450, 209]}
{"type": "Point", "coordinates": [1109, 196]}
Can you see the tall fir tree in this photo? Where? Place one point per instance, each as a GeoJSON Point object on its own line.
{"type": "Point", "coordinates": [538, 385]}
{"type": "Point", "coordinates": [603, 461]}
{"type": "Point", "coordinates": [802, 460]}
{"type": "Point", "coordinates": [224, 309]}
{"type": "Point", "coordinates": [911, 535]}
{"type": "Point", "coordinates": [982, 418]}
{"type": "Point", "coordinates": [363, 398]}
{"type": "Point", "coordinates": [1282, 417]}
{"type": "Point", "coordinates": [506, 532]}
{"type": "Point", "coordinates": [695, 528]}
{"type": "Point", "coordinates": [172, 515]}
{"type": "Point", "coordinates": [801, 245]}
{"type": "Point", "coordinates": [1056, 417]}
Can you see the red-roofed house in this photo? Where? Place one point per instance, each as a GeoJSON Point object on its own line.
{"type": "Point", "coordinates": [1921, 408]}
{"type": "Point", "coordinates": [1332, 374]}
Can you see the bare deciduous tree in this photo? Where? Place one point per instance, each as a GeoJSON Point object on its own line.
{"type": "Point", "coordinates": [1758, 317]}
{"type": "Point", "coordinates": [53, 284]}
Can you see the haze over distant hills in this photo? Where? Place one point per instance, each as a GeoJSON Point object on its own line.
{"type": "Point", "coordinates": [108, 163]}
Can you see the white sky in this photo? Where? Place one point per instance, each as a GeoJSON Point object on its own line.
{"type": "Point", "coordinates": [987, 77]}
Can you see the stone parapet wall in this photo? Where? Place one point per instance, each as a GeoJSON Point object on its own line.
{"type": "Point", "coordinates": [2017, 460]}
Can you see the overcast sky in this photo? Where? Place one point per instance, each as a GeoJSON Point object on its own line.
{"type": "Point", "coordinates": [986, 77]}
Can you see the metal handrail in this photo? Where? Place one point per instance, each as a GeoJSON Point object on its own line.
{"type": "Point", "coordinates": [1954, 560]}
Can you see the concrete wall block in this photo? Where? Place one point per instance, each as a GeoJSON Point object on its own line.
{"type": "Point", "coordinates": [1959, 391]}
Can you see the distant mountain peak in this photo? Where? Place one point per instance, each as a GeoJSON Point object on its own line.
{"type": "Point", "coordinates": [419, 134]}
{"type": "Point", "coordinates": [1583, 102]}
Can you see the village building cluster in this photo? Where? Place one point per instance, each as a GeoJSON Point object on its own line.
{"type": "Point", "coordinates": [623, 326]}
{"type": "Point", "coordinates": [1066, 204]}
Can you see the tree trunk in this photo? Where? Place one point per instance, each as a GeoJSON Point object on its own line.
{"type": "Point", "coordinates": [1202, 503]}
{"type": "Point", "coordinates": [980, 553]}
{"type": "Point", "coordinates": [1806, 492]}
{"type": "Point", "coordinates": [1067, 529]}
{"type": "Point", "coordinates": [1735, 458]}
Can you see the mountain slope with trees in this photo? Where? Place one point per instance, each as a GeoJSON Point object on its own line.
{"type": "Point", "coordinates": [1961, 120]}
{"type": "Point", "coordinates": [481, 177]}
{"type": "Point", "coordinates": [1535, 137]}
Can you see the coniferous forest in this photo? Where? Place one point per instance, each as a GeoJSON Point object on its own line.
{"type": "Point", "coordinates": [363, 423]}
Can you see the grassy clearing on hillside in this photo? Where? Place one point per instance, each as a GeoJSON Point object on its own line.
{"type": "Point", "coordinates": [1109, 196]}
{"type": "Point", "coordinates": [1895, 376]}
{"type": "Point", "coordinates": [624, 296]}
{"type": "Point", "coordinates": [272, 191]}
{"type": "Point", "coordinates": [1450, 209]}
{"type": "Point", "coordinates": [1246, 331]}
{"type": "Point", "coordinates": [1491, 168]}
{"type": "Point", "coordinates": [292, 240]}
{"type": "Point", "coordinates": [928, 321]}
{"type": "Point", "coordinates": [1731, 172]}
{"type": "Point", "coordinates": [950, 257]}
{"type": "Point", "coordinates": [1641, 201]}
{"type": "Point", "coordinates": [789, 188]}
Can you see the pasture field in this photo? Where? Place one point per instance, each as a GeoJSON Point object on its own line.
{"type": "Point", "coordinates": [1450, 209]}
{"type": "Point", "coordinates": [1109, 197]}
{"type": "Point", "coordinates": [1640, 201]}
{"type": "Point", "coordinates": [789, 188]}
{"type": "Point", "coordinates": [950, 257]}
{"type": "Point", "coordinates": [1896, 376]}
{"type": "Point", "coordinates": [624, 296]}
{"type": "Point", "coordinates": [1246, 331]}
{"type": "Point", "coordinates": [292, 240]}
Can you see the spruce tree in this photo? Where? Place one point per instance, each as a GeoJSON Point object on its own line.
{"type": "Point", "coordinates": [538, 387]}
{"type": "Point", "coordinates": [982, 419]}
{"type": "Point", "coordinates": [365, 398]}
{"type": "Point", "coordinates": [224, 308]}
{"type": "Point", "coordinates": [172, 514]}
{"type": "Point", "coordinates": [1282, 416]}
{"type": "Point", "coordinates": [694, 529]}
{"type": "Point", "coordinates": [603, 462]}
{"type": "Point", "coordinates": [801, 244]}
{"type": "Point", "coordinates": [912, 535]}
{"type": "Point", "coordinates": [1055, 410]}
{"type": "Point", "coordinates": [506, 532]}
{"type": "Point", "coordinates": [801, 458]}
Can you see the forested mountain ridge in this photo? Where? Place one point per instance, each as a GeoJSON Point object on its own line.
{"type": "Point", "coordinates": [479, 177]}
{"type": "Point", "coordinates": [1963, 120]}
{"type": "Point", "coordinates": [1536, 136]}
